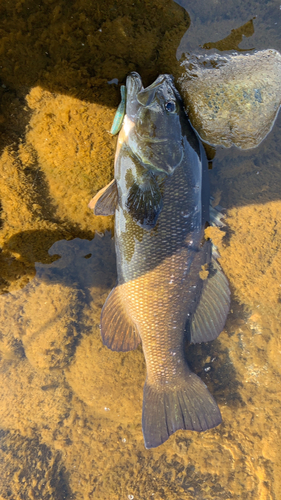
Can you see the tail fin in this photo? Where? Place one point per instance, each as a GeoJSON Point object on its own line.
{"type": "Point", "coordinates": [190, 406]}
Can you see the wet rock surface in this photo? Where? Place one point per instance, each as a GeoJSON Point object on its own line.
{"type": "Point", "coordinates": [232, 99]}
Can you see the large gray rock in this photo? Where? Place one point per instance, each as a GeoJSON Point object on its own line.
{"type": "Point", "coordinates": [232, 99]}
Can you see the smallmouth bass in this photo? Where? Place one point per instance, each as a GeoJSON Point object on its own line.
{"type": "Point", "coordinates": [160, 198]}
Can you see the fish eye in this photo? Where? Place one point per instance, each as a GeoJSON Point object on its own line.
{"type": "Point", "coordinates": [170, 106]}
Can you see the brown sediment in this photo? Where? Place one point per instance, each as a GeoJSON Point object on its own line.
{"type": "Point", "coordinates": [75, 152]}
{"type": "Point", "coordinates": [75, 49]}
{"type": "Point", "coordinates": [42, 468]}
{"type": "Point", "coordinates": [252, 259]}
{"type": "Point", "coordinates": [70, 408]}
{"type": "Point", "coordinates": [204, 273]}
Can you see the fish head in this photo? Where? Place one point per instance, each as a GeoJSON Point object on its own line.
{"type": "Point", "coordinates": [154, 114]}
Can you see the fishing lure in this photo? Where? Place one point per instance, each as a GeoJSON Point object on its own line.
{"type": "Point", "coordinates": [120, 113]}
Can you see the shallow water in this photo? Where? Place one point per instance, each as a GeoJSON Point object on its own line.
{"type": "Point", "coordinates": [70, 413]}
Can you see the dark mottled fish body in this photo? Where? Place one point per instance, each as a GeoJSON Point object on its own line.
{"type": "Point", "coordinates": [161, 201]}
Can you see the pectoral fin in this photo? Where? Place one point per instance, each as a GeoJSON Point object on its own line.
{"type": "Point", "coordinates": [210, 315]}
{"type": "Point", "coordinates": [144, 202]}
{"type": "Point", "coordinates": [105, 201]}
{"type": "Point", "coordinates": [118, 330]}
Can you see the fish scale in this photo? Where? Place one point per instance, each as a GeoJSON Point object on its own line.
{"type": "Point", "coordinates": [168, 251]}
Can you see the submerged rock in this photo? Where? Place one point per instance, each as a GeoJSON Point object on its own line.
{"type": "Point", "coordinates": [232, 99]}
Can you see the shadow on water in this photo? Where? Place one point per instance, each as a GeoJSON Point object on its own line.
{"type": "Point", "coordinates": [81, 263]}
{"type": "Point", "coordinates": [249, 177]}
{"type": "Point", "coordinates": [23, 250]}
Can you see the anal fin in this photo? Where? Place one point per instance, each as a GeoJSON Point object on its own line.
{"type": "Point", "coordinates": [118, 331]}
{"type": "Point", "coordinates": [210, 315]}
{"type": "Point", "coordinates": [105, 201]}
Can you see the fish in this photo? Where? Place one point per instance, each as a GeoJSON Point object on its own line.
{"type": "Point", "coordinates": [170, 288]}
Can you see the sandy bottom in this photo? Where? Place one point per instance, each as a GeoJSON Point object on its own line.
{"type": "Point", "coordinates": [70, 412]}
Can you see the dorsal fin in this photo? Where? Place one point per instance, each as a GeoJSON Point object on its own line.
{"type": "Point", "coordinates": [118, 330]}
{"type": "Point", "coordinates": [105, 201]}
{"type": "Point", "coordinates": [209, 318]}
